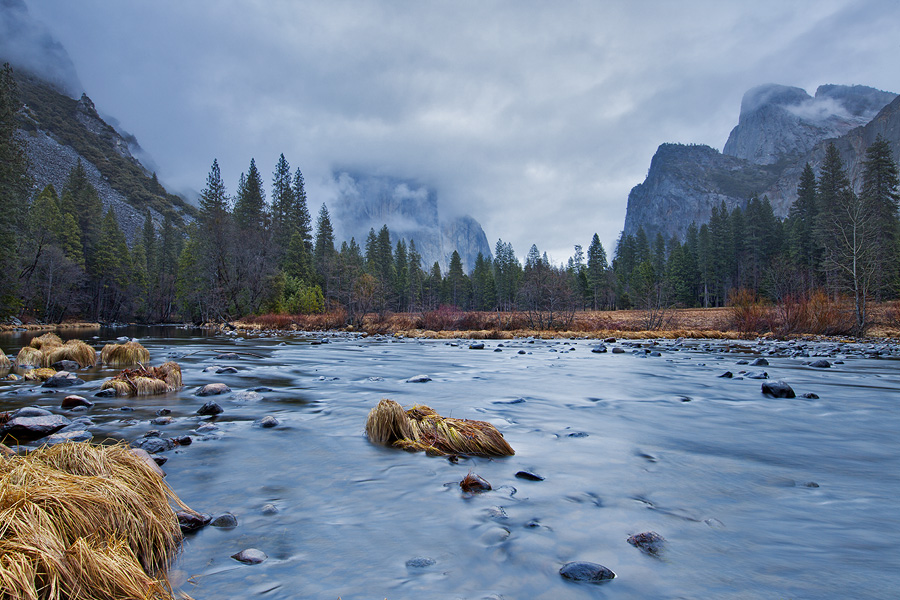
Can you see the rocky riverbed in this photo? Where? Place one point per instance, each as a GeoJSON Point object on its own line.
{"type": "Point", "coordinates": [683, 468]}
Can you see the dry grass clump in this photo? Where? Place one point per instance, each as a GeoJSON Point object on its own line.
{"type": "Point", "coordinates": [87, 522]}
{"type": "Point", "coordinates": [421, 428]}
{"type": "Point", "coordinates": [39, 374]}
{"type": "Point", "coordinates": [129, 354]}
{"type": "Point", "coordinates": [4, 360]}
{"type": "Point", "coordinates": [145, 381]}
{"type": "Point", "coordinates": [46, 342]}
{"type": "Point", "coordinates": [30, 357]}
{"type": "Point", "coordinates": [75, 350]}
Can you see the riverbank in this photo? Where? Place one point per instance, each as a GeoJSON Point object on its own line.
{"type": "Point", "coordinates": [692, 323]}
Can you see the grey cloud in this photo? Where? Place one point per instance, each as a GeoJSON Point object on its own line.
{"type": "Point", "coordinates": [536, 118]}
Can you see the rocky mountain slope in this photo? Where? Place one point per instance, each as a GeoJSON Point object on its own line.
{"type": "Point", "coordinates": [59, 130]}
{"type": "Point", "coordinates": [411, 212]}
{"type": "Point", "coordinates": [780, 129]}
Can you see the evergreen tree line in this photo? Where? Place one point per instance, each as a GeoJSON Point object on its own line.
{"type": "Point", "coordinates": [248, 254]}
{"type": "Point", "coordinates": [834, 241]}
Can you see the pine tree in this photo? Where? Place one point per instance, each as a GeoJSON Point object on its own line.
{"type": "Point", "coordinates": [597, 267]}
{"type": "Point", "coordinates": [323, 256]}
{"type": "Point", "coordinates": [415, 276]}
{"type": "Point", "coordinates": [14, 184]}
{"type": "Point", "coordinates": [283, 204]}
{"type": "Point", "coordinates": [880, 199]}
{"type": "Point", "coordinates": [455, 282]}
{"type": "Point", "coordinates": [802, 219]}
{"type": "Point", "coordinates": [81, 199]}
{"type": "Point", "coordinates": [250, 205]}
{"type": "Point", "coordinates": [299, 216]}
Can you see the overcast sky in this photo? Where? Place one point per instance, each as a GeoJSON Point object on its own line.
{"type": "Point", "coordinates": [536, 118]}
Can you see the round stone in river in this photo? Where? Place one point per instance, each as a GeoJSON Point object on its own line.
{"type": "Point", "coordinates": [586, 571]}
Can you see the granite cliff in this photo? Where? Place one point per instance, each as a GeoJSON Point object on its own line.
{"type": "Point", "coordinates": [780, 129]}
{"type": "Point", "coordinates": [60, 125]}
{"type": "Point", "coordinates": [411, 211]}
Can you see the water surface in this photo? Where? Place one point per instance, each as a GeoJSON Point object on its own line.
{"type": "Point", "coordinates": [756, 497]}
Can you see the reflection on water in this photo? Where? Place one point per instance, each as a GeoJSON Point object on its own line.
{"type": "Point", "coordinates": [756, 497]}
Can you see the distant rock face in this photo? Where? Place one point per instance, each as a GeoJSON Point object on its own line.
{"type": "Point", "coordinates": [684, 183]}
{"type": "Point", "coordinates": [779, 122]}
{"type": "Point", "coordinates": [781, 128]}
{"type": "Point", "coordinates": [411, 212]}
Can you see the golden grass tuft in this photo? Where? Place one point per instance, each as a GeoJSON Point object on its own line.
{"type": "Point", "coordinates": [39, 374]}
{"type": "Point", "coordinates": [85, 521]}
{"type": "Point", "coordinates": [30, 357]}
{"type": "Point", "coordinates": [75, 350]}
{"type": "Point", "coordinates": [129, 354]}
{"type": "Point", "coordinates": [145, 381]}
{"type": "Point", "coordinates": [46, 341]}
{"type": "Point", "coordinates": [421, 428]}
{"type": "Point", "coordinates": [4, 360]}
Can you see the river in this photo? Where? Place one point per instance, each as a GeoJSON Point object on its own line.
{"type": "Point", "coordinates": [756, 497]}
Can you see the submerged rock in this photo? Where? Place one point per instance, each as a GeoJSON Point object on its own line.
{"type": "Point", "coordinates": [62, 379]}
{"type": "Point", "coordinates": [419, 379]}
{"type": "Point", "coordinates": [473, 484]}
{"type": "Point", "coordinates": [191, 521]}
{"type": "Point", "coordinates": [420, 562]}
{"type": "Point", "coordinates": [209, 409]}
{"type": "Point", "coordinates": [213, 389]}
{"type": "Point", "coordinates": [586, 571]}
{"type": "Point", "coordinates": [225, 520]}
{"type": "Point", "coordinates": [649, 542]}
{"type": "Point", "coordinates": [777, 389]}
{"type": "Point", "coordinates": [529, 476]}
{"type": "Point", "coordinates": [820, 364]}
{"type": "Point", "coordinates": [266, 422]}
{"type": "Point", "coordinates": [250, 556]}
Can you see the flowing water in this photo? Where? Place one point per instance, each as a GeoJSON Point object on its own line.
{"type": "Point", "coordinates": [757, 497]}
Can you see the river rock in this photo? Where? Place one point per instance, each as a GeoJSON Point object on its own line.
{"type": "Point", "coordinates": [727, 375]}
{"type": "Point", "coordinates": [601, 349]}
{"type": "Point", "coordinates": [476, 346]}
{"type": "Point", "coordinates": [213, 389]}
{"type": "Point", "coordinates": [27, 429]}
{"type": "Point", "coordinates": [228, 356]}
{"type": "Point", "coordinates": [810, 396]}
{"type": "Point", "coordinates": [65, 365]}
{"type": "Point", "coordinates": [107, 393]}
{"type": "Point", "coordinates": [529, 476]}
{"type": "Point", "coordinates": [191, 521]}
{"type": "Point", "coordinates": [63, 379]}
{"type": "Point", "coordinates": [162, 421]}
{"type": "Point", "coordinates": [31, 411]}
{"type": "Point", "coordinates": [586, 571]}
{"type": "Point", "coordinates": [148, 460]}
{"type": "Point", "coordinates": [266, 422]}
{"type": "Point", "coordinates": [420, 562]}
{"type": "Point", "coordinates": [209, 409]}
{"type": "Point", "coordinates": [649, 542]}
{"type": "Point", "coordinates": [154, 444]}
{"type": "Point", "coordinates": [225, 520]}
{"type": "Point", "coordinates": [473, 484]}
{"type": "Point", "coordinates": [419, 379]}
{"type": "Point", "coordinates": [75, 435]}
{"type": "Point", "coordinates": [246, 396]}
{"type": "Point", "coordinates": [250, 556]}
{"type": "Point", "coordinates": [820, 364]}
{"type": "Point", "coordinates": [759, 362]}
{"type": "Point", "coordinates": [777, 389]}
{"type": "Point", "coordinates": [74, 401]}
{"type": "Point", "coordinates": [618, 350]}
{"type": "Point", "coordinates": [757, 375]}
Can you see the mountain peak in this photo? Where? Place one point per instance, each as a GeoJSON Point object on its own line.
{"type": "Point", "coordinates": [780, 122]}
